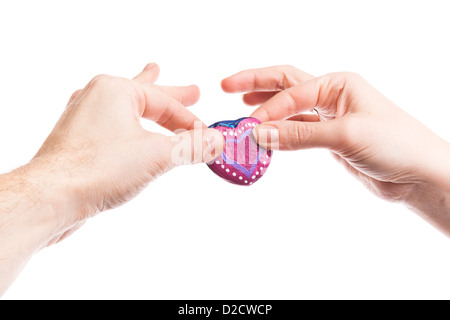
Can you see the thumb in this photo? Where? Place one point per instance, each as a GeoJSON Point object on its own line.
{"type": "Point", "coordinates": [196, 146]}
{"type": "Point", "coordinates": [294, 135]}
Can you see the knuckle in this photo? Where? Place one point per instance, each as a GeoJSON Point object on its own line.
{"type": "Point", "coordinates": [165, 117]}
{"type": "Point", "coordinates": [290, 100]}
{"type": "Point", "coordinates": [353, 76]}
{"type": "Point", "coordinates": [103, 82]}
{"type": "Point", "coordinates": [350, 76]}
{"type": "Point", "coordinates": [288, 68]}
{"type": "Point", "coordinates": [299, 135]}
{"type": "Point", "coordinates": [180, 95]}
{"type": "Point", "coordinates": [265, 113]}
{"type": "Point", "coordinates": [75, 94]}
{"type": "Point", "coordinates": [343, 77]}
{"type": "Point", "coordinates": [287, 76]}
{"type": "Point", "coordinates": [100, 82]}
{"type": "Point", "coordinates": [100, 79]}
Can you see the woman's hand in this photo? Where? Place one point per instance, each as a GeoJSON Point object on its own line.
{"type": "Point", "coordinates": [392, 153]}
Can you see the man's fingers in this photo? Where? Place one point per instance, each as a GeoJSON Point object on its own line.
{"type": "Point", "coordinates": [189, 147]}
{"type": "Point", "coordinates": [265, 79]}
{"type": "Point", "coordinates": [186, 95]}
{"type": "Point", "coordinates": [167, 111]}
{"type": "Point", "coordinates": [294, 135]}
{"type": "Point", "coordinates": [166, 105]}
{"type": "Point", "coordinates": [149, 75]}
{"type": "Point", "coordinates": [196, 146]}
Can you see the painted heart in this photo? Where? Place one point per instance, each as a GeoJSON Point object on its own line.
{"type": "Point", "coordinates": [242, 161]}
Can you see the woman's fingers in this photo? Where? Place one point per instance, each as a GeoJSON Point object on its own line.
{"type": "Point", "coordinates": [295, 100]}
{"type": "Point", "coordinates": [257, 98]}
{"type": "Point", "coordinates": [323, 93]}
{"type": "Point", "coordinates": [275, 78]}
{"type": "Point", "coordinates": [305, 117]}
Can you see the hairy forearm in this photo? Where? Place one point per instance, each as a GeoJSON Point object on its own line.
{"type": "Point", "coordinates": [28, 220]}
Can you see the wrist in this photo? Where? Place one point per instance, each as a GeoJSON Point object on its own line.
{"type": "Point", "coordinates": [430, 196]}
{"type": "Point", "coordinates": [435, 169]}
{"type": "Point", "coordinates": [437, 172]}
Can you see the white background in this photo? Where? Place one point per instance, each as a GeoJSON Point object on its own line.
{"type": "Point", "coordinates": [307, 229]}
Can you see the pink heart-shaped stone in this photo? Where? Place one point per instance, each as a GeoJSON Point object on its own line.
{"type": "Point", "coordinates": [242, 161]}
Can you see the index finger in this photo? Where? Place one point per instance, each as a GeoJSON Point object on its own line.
{"type": "Point", "coordinates": [321, 93]}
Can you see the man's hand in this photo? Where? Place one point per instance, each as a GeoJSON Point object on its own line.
{"type": "Point", "coordinates": [100, 146]}
{"type": "Point", "coordinates": [97, 157]}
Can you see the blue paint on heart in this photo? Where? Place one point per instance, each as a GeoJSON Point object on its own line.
{"type": "Point", "coordinates": [227, 123]}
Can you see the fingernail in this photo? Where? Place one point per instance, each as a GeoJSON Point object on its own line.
{"type": "Point", "coordinates": [266, 135]}
{"type": "Point", "coordinates": [213, 144]}
{"type": "Point", "coordinates": [150, 66]}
